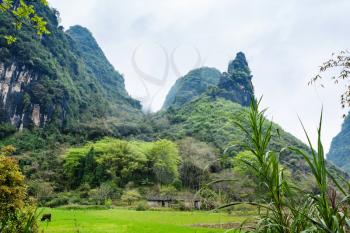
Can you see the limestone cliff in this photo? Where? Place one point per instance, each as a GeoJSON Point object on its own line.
{"type": "Point", "coordinates": [63, 80]}
{"type": "Point", "coordinates": [15, 108]}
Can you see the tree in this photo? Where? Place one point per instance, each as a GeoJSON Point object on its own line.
{"type": "Point", "coordinates": [209, 198]}
{"type": "Point", "coordinates": [193, 176]}
{"type": "Point", "coordinates": [89, 168]}
{"type": "Point", "coordinates": [122, 162]}
{"type": "Point", "coordinates": [198, 161]}
{"type": "Point", "coordinates": [101, 194]}
{"type": "Point", "coordinates": [199, 153]}
{"type": "Point", "coordinates": [165, 158]}
{"type": "Point", "coordinates": [16, 214]}
{"type": "Point", "coordinates": [105, 160]}
{"type": "Point", "coordinates": [340, 63]}
{"type": "Point", "coordinates": [41, 190]}
{"type": "Point", "coordinates": [131, 196]}
{"type": "Point", "coordinates": [242, 161]}
{"type": "Point", "coordinates": [23, 13]}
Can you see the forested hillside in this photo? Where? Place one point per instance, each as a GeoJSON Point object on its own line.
{"type": "Point", "coordinates": [81, 139]}
{"type": "Point", "coordinates": [98, 66]}
{"type": "Point", "coordinates": [212, 120]}
{"type": "Point", "coordinates": [61, 80]}
{"type": "Point", "coordinates": [339, 152]}
{"type": "Point", "coordinates": [210, 115]}
{"type": "Point", "coordinates": [191, 86]}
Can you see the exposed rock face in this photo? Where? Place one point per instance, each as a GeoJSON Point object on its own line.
{"type": "Point", "coordinates": [236, 84]}
{"type": "Point", "coordinates": [15, 106]}
{"type": "Point", "coordinates": [36, 115]}
{"type": "Point", "coordinates": [63, 80]}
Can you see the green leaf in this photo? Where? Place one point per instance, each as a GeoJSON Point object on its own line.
{"type": "Point", "coordinates": [10, 39]}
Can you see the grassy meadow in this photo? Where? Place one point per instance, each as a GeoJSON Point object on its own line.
{"type": "Point", "coordinates": [131, 221]}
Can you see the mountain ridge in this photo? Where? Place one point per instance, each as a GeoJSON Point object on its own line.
{"type": "Point", "coordinates": [190, 86]}
{"type": "Point", "coordinates": [54, 81]}
{"type": "Point", "coordinates": [234, 85]}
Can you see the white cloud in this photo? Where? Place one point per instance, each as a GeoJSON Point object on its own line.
{"type": "Point", "coordinates": [285, 41]}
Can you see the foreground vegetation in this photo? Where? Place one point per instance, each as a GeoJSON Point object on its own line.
{"type": "Point", "coordinates": [17, 211]}
{"type": "Point", "coordinates": [130, 221]}
{"type": "Point", "coordinates": [325, 209]}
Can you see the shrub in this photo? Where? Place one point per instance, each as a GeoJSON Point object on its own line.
{"type": "Point", "coordinates": [17, 214]}
{"type": "Point", "coordinates": [6, 130]}
{"type": "Point", "coordinates": [177, 183]}
{"type": "Point", "coordinates": [209, 198]}
{"type": "Point", "coordinates": [142, 206]}
{"type": "Point", "coordinates": [131, 196]}
{"type": "Point", "coordinates": [181, 206]}
{"type": "Point", "coordinates": [57, 201]}
{"type": "Point", "coordinates": [108, 203]}
{"type": "Point", "coordinates": [41, 190]}
{"type": "Point", "coordinates": [168, 191]}
{"type": "Point", "coordinates": [84, 207]}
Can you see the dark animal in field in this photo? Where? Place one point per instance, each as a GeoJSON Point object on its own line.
{"type": "Point", "coordinates": [46, 217]}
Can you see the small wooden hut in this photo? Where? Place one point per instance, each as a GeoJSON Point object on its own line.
{"type": "Point", "coordinates": [190, 201]}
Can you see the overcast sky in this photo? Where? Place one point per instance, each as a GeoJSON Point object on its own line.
{"type": "Point", "coordinates": [153, 42]}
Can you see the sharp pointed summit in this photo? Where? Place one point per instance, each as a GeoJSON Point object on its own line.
{"type": "Point", "coordinates": [236, 85]}
{"type": "Point", "coordinates": [239, 63]}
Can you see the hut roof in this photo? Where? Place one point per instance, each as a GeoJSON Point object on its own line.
{"type": "Point", "coordinates": [173, 198]}
{"type": "Point", "coordinates": [160, 198]}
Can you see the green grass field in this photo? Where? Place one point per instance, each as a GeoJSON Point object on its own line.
{"type": "Point", "coordinates": [130, 221]}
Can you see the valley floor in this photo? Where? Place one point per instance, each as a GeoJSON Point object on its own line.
{"type": "Point", "coordinates": [130, 221]}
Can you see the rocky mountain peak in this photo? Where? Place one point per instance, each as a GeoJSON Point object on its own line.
{"type": "Point", "coordinates": [238, 64]}
{"type": "Point", "coordinates": [236, 85]}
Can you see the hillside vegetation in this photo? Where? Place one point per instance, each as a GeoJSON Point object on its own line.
{"type": "Point", "coordinates": [80, 139]}
{"type": "Point", "coordinates": [61, 80]}
{"type": "Point", "coordinates": [212, 120]}
{"type": "Point", "coordinates": [191, 86]}
{"type": "Point", "coordinates": [340, 147]}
